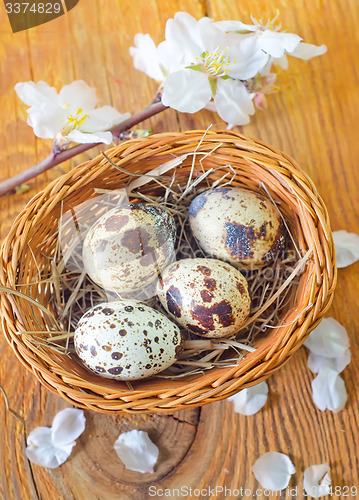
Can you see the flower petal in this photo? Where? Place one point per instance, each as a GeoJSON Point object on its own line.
{"type": "Point", "coordinates": [329, 390]}
{"type": "Point", "coordinates": [46, 119]}
{"type": "Point", "coordinates": [39, 436]}
{"type": "Point", "coordinates": [181, 33]}
{"type": "Point", "coordinates": [317, 362]}
{"type": "Point", "coordinates": [312, 476]}
{"type": "Point", "coordinates": [78, 95]}
{"type": "Point", "coordinates": [276, 43]}
{"type": "Point", "coordinates": [250, 401]}
{"type": "Point", "coordinates": [187, 91]}
{"type": "Point", "coordinates": [41, 451]}
{"type": "Point", "coordinates": [273, 470]}
{"type": "Point", "coordinates": [137, 451]}
{"type": "Point", "coordinates": [346, 248]}
{"type": "Point", "coordinates": [235, 26]}
{"type": "Point", "coordinates": [67, 426]}
{"type": "Point", "coordinates": [168, 60]}
{"type": "Point", "coordinates": [328, 339]}
{"type": "Point", "coordinates": [246, 58]}
{"type": "Point", "coordinates": [36, 94]}
{"type": "Point", "coordinates": [102, 119]}
{"type": "Point", "coordinates": [306, 51]}
{"type": "Point", "coordinates": [233, 102]}
{"type": "Point", "coordinates": [145, 57]}
{"type": "Point", "coordinates": [88, 138]}
{"type": "Point", "coordinates": [282, 62]}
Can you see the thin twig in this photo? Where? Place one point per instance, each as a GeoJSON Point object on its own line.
{"type": "Point", "coordinates": [21, 420]}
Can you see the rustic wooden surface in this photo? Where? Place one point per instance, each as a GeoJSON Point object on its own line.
{"type": "Point", "coordinates": [313, 119]}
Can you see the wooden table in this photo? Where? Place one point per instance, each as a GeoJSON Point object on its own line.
{"type": "Point", "coordinates": [313, 119]}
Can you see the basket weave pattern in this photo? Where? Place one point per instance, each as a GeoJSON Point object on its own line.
{"type": "Point", "coordinates": [32, 240]}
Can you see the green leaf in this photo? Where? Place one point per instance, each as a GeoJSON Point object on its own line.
{"type": "Point", "coordinates": [142, 132]}
{"type": "Point", "coordinates": [24, 188]}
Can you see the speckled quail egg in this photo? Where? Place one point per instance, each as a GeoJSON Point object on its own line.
{"type": "Point", "coordinates": [207, 296]}
{"type": "Point", "coordinates": [237, 225]}
{"type": "Point", "coordinates": [128, 246]}
{"type": "Point", "coordinates": [127, 340]}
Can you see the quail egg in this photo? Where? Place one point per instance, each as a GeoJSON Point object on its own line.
{"type": "Point", "coordinates": [128, 246]}
{"type": "Point", "coordinates": [207, 296]}
{"type": "Point", "coordinates": [127, 340]}
{"type": "Point", "coordinates": [237, 225]}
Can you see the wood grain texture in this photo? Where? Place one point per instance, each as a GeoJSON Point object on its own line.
{"type": "Point", "coordinates": [313, 119]}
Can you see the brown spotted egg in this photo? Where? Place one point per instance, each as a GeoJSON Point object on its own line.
{"type": "Point", "coordinates": [127, 340]}
{"type": "Point", "coordinates": [207, 296]}
{"type": "Point", "coordinates": [127, 247]}
{"type": "Point", "coordinates": [239, 226]}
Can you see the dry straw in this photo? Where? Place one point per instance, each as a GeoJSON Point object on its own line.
{"type": "Point", "coordinates": [38, 293]}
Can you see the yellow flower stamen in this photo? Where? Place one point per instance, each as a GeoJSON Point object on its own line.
{"type": "Point", "coordinates": [74, 121]}
{"type": "Point", "coordinates": [216, 62]}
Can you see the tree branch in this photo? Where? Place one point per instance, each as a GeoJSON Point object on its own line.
{"type": "Point", "coordinates": [55, 158]}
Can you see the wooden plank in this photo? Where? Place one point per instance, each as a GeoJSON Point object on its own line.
{"type": "Point", "coordinates": [313, 119]}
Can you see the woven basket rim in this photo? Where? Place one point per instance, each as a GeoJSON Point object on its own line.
{"type": "Point", "coordinates": [254, 162]}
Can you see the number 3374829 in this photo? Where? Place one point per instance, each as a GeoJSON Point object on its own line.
{"type": "Point", "coordinates": [35, 8]}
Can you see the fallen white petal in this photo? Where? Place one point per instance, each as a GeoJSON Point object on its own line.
{"type": "Point", "coordinates": [328, 339]}
{"type": "Point", "coordinates": [137, 451]}
{"type": "Point", "coordinates": [67, 426]}
{"type": "Point", "coordinates": [346, 248]}
{"type": "Point", "coordinates": [317, 362]}
{"type": "Point", "coordinates": [41, 450]}
{"type": "Point", "coordinates": [273, 470]}
{"type": "Point", "coordinates": [250, 401]}
{"type": "Point", "coordinates": [312, 476]}
{"type": "Point", "coordinates": [329, 390]}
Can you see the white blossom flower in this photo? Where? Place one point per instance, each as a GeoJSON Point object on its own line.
{"type": "Point", "coordinates": [250, 401]}
{"type": "Point", "coordinates": [273, 470]}
{"type": "Point", "coordinates": [220, 66]}
{"type": "Point", "coordinates": [137, 451]}
{"type": "Point", "coordinates": [215, 66]}
{"type": "Point", "coordinates": [346, 248]}
{"type": "Point", "coordinates": [272, 40]}
{"type": "Point", "coordinates": [52, 446]}
{"type": "Point", "coordinates": [199, 64]}
{"type": "Point", "coordinates": [312, 476]}
{"type": "Point", "coordinates": [70, 115]}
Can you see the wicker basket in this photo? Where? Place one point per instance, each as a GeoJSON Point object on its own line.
{"type": "Point", "coordinates": [35, 228]}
